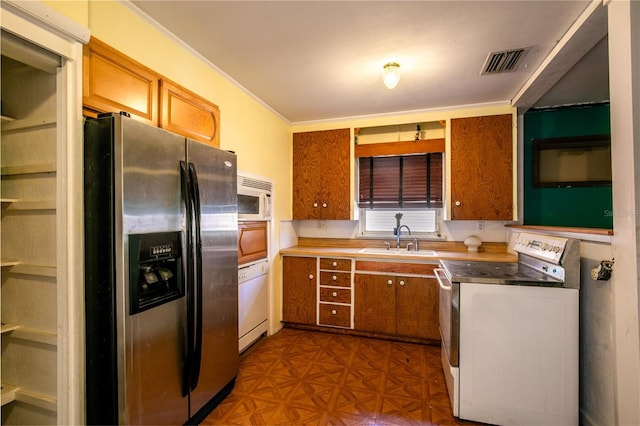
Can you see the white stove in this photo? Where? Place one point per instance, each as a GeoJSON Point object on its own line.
{"type": "Point", "coordinates": [510, 334]}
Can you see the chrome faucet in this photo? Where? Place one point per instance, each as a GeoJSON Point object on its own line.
{"type": "Point", "coordinates": [398, 232]}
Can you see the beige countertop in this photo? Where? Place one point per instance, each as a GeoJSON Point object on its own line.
{"type": "Point", "coordinates": [356, 253]}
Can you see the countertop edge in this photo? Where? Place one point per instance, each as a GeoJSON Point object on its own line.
{"type": "Point", "coordinates": [440, 254]}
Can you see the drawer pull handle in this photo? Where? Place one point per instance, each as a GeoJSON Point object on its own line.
{"type": "Point", "coordinates": [390, 282]}
{"type": "Point", "coordinates": [334, 278]}
{"type": "Point", "coordinates": [310, 277]}
{"type": "Point", "coordinates": [335, 263]}
{"type": "Point", "coordinates": [334, 294]}
{"type": "Point", "coordinates": [333, 312]}
{"type": "Point", "coordinates": [401, 282]}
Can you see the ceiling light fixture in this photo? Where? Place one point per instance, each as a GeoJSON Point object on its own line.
{"type": "Point", "coordinates": [391, 75]}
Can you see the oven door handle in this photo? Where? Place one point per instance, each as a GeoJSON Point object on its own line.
{"type": "Point", "coordinates": [441, 280]}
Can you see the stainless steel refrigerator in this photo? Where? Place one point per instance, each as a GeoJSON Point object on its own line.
{"type": "Point", "coordinates": [161, 282]}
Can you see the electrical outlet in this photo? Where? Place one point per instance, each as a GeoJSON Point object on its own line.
{"type": "Point", "coordinates": [480, 226]}
{"type": "Point", "coordinates": [321, 224]}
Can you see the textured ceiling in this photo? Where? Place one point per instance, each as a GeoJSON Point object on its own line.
{"type": "Point", "coordinates": [320, 60]}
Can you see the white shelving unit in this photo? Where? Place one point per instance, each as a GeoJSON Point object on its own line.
{"type": "Point", "coordinates": [28, 237]}
{"type": "Point", "coordinates": [42, 312]}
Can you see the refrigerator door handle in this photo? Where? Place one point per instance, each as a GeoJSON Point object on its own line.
{"type": "Point", "coordinates": [195, 194]}
{"type": "Point", "coordinates": [187, 197]}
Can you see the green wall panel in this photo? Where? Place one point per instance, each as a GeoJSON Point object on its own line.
{"type": "Point", "coordinates": [588, 207]}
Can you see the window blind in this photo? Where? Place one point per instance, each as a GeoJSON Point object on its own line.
{"type": "Point", "coordinates": [407, 181]}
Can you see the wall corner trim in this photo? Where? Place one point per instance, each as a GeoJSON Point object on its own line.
{"type": "Point", "coordinates": [43, 15]}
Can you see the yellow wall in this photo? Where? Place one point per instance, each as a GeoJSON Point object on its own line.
{"type": "Point", "coordinates": [260, 138]}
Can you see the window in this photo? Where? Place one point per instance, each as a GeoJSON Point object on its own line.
{"type": "Point", "coordinates": [406, 181]}
{"type": "Point", "coordinates": [420, 221]}
{"type": "Point", "coordinates": [407, 184]}
{"type": "Point", "coordinates": [567, 162]}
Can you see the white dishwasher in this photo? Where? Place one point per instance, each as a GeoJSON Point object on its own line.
{"type": "Point", "coordinates": [253, 302]}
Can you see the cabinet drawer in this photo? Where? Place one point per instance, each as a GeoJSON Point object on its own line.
{"type": "Point", "coordinates": [339, 279]}
{"type": "Point", "coordinates": [335, 295]}
{"type": "Point", "coordinates": [338, 315]}
{"type": "Point", "coordinates": [335, 264]}
{"type": "Point", "coordinates": [396, 268]}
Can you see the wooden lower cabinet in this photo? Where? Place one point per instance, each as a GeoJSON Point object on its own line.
{"type": "Point", "coordinates": [299, 289]}
{"type": "Point", "coordinates": [417, 308]}
{"type": "Point", "coordinates": [374, 304]}
{"type": "Point", "coordinates": [396, 305]}
{"type": "Point", "coordinates": [385, 304]}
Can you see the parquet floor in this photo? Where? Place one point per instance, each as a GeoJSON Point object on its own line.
{"type": "Point", "coordinates": [301, 377]}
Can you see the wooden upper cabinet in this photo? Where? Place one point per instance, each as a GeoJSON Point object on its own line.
{"type": "Point", "coordinates": [185, 113]}
{"type": "Point", "coordinates": [482, 168]}
{"type": "Point", "coordinates": [112, 82]}
{"type": "Point", "coordinates": [321, 175]}
{"type": "Point", "coordinates": [252, 241]}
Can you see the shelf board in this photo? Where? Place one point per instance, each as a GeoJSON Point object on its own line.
{"type": "Point", "coordinates": [5, 328]}
{"type": "Point", "coordinates": [12, 393]}
{"type": "Point", "coordinates": [34, 335]}
{"type": "Point", "coordinates": [18, 267]}
{"type": "Point", "coordinates": [8, 262]}
{"type": "Point", "coordinates": [28, 169]}
{"type": "Point", "coordinates": [36, 399]}
{"type": "Point", "coordinates": [8, 200]}
{"type": "Point", "coordinates": [18, 204]}
{"type": "Point", "coordinates": [8, 393]}
{"type": "Point", "coordinates": [40, 270]}
{"type": "Point", "coordinates": [26, 123]}
{"type": "Point", "coordinates": [5, 119]}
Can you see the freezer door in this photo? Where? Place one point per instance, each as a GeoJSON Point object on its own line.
{"type": "Point", "coordinates": [216, 175]}
{"type": "Point", "coordinates": [147, 180]}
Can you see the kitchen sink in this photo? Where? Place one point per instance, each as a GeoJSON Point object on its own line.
{"type": "Point", "coordinates": [395, 251]}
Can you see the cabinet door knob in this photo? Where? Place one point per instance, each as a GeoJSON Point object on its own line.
{"type": "Point", "coordinates": [334, 294]}
{"type": "Point", "coordinates": [333, 312]}
{"type": "Point", "coordinates": [401, 282]}
{"type": "Point", "coordinates": [324, 205]}
{"type": "Point", "coordinates": [458, 203]}
{"type": "Point", "coordinates": [335, 263]}
{"type": "Point", "coordinates": [310, 277]}
{"type": "Point", "coordinates": [315, 204]}
{"type": "Point", "coordinates": [390, 282]}
{"type": "Point", "coordinates": [334, 278]}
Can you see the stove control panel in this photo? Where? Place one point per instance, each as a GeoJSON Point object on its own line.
{"type": "Point", "coordinates": [546, 247]}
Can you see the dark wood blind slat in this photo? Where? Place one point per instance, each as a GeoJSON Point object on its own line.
{"type": "Point", "coordinates": [401, 181]}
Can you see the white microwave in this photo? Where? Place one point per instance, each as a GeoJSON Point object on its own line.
{"type": "Point", "coordinates": [254, 197]}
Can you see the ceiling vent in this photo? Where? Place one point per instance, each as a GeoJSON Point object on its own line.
{"type": "Point", "coordinates": [505, 61]}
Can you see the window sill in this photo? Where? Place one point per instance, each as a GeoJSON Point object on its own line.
{"type": "Point", "coordinates": [585, 234]}
{"type": "Point", "coordinates": [404, 237]}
